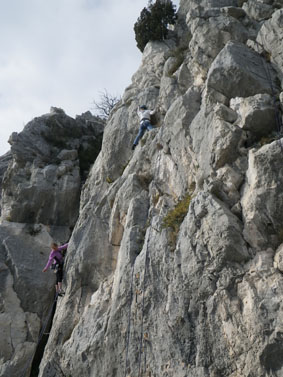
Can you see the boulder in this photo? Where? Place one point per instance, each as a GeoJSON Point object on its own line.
{"type": "Point", "coordinates": [211, 35]}
{"type": "Point", "coordinates": [47, 194]}
{"type": "Point", "coordinates": [270, 37]}
{"type": "Point", "coordinates": [50, 158]}
{"type": "Point", "coordinates": [171, 65]}
{"type": "Point", "coordinates": [235, 12]}
{"type": "Point", "coordinates": [256, 114]}
{"type": "Point", "coordinates": [68, 155]}
{"type": "Point", "coordinates": [215, 246]}
{"type": "Point", "coordinates": [225, 113]}
{"type": "Point", "coordinates": [169, 91]}
{"type": "Point", "coordinates": [258, 10]}
{"type": "Point", "coordinates": [215, 142]}
{"type": "Point", "coordinates": [206, 4]}
{"type": "Point", "coordinates": [262, 198]}
{"type": "Point", "coordinates": [184, 109]}
{"type": "Point", "coordinates": [154, 56]}
{"type": "Point", "coordinates": [184, 78]}
{"type": "Point", "coordinates": [239, 72]}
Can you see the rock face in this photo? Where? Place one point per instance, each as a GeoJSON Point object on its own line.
{"type": "Point", "coordinates": [244, 69]}
{"type": "Point", "coordinates": [25, 292]}
{"type": "Point", "coordinates": [174, 267]}
{"type": "Point", "coordinates": [175, 263]}
{"type": "Point", "coordinates": [41, 179]}
{"type": "Point", "coordinates": [50, 156]}
{"type": "Point", "coordinates": [4, 162]}
{"type": "Point", "coordinates": [264, 228]}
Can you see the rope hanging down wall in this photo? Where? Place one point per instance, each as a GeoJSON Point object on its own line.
{"type": "Point", "coordinates": [142, 338]}
{"type": "Point", "coordinates": [129, 322]}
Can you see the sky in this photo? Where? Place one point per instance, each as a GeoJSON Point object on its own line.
{"type": "Point", "coordinates": [63, 53]}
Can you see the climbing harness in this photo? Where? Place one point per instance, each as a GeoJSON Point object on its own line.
{"type": "Point", "coordinates": [57, 265]}
{"type": "Point", "coordinates": [43, 329]}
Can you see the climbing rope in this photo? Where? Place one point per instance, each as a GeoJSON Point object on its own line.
{"type": "Point", "coordinates": [143, 300]}
{"type": "Point", "coordinates": [29, 362]}
{"type": "Point", "coordinates": [142, 319]}
{"type": "Point", "coordinates": [145, 349]}
{"type": "Point", "coordinates": [129, 321]}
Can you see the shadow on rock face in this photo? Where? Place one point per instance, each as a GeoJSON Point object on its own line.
{"type": "Point", "coordinates": [271, 358]}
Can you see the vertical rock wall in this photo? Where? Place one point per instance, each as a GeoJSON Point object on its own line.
{"type": "Point", "coordinates": [175, 263]}
{"type": "Point", "coordinates": [41, 180]}
{"type": "Point", "coordinates": [4, 162]}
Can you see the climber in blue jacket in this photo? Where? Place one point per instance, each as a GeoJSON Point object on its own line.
{"type": "Point", "coordinates": [145, 125]}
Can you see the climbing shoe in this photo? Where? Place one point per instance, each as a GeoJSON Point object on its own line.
{"type": "Point", "coordinates": [61, 294]}
{"type": "Point", "coordinates": [133, 146]}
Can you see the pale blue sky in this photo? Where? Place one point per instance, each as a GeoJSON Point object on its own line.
{"type": "Point", "coordinates": [63, 53]}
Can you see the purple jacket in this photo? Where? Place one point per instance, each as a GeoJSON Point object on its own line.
{"type": "Point", "coordinates": [57, 254]}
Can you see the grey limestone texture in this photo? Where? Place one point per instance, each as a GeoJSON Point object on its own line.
{"type": "Point", "coordinates": [41, 179]}
{"type": "Point", "coordinates": [175, 262]}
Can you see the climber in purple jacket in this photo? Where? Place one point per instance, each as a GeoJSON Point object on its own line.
{"type": "Point", "coordinates": [56, 259]}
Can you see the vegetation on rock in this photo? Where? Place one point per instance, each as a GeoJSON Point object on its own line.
{"type": "Point", "coordinates": [175, 217]}
{"type": "Point", "coordinates": [105, 105]}
{"type": "Point", "coordinates": [153, 22]}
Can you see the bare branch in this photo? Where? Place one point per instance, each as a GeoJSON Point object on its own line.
{"type": "Point", "coordinates": [106, 103]}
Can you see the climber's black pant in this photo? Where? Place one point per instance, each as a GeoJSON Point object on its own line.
{"type": "Point", "coordinates": [59, 273]}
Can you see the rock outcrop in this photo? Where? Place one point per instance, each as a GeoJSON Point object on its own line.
{"type": "Point", "coordinates": [50, 157]}
{"type": "Point", "coordinates": [4, 162]}
{"type": "Point", "coordinates": [25, 293]}
{"type": "Point", "coordinates": [41, 179]}
{"type": "Point", "coordinates": [174, 266]}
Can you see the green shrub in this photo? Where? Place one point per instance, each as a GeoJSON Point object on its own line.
{"type": "Point", "coordinates": [175, 217]}
{"type": "Point", "coordinates": [153, 22]}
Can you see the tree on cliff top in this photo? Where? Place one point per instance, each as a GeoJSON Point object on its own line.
{"type": "Point", "coordinates": [153, 22]}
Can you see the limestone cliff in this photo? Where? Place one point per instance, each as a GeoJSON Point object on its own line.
{"type": "Point", "coordinates": [41, 178]}
{"type": "Point", "coordinates": [4, 162]}
{"type": "Point", "coordinates": [174, 266]}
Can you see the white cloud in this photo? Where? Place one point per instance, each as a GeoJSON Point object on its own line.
{"type": "Point", "coordinates": [62, 53]}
